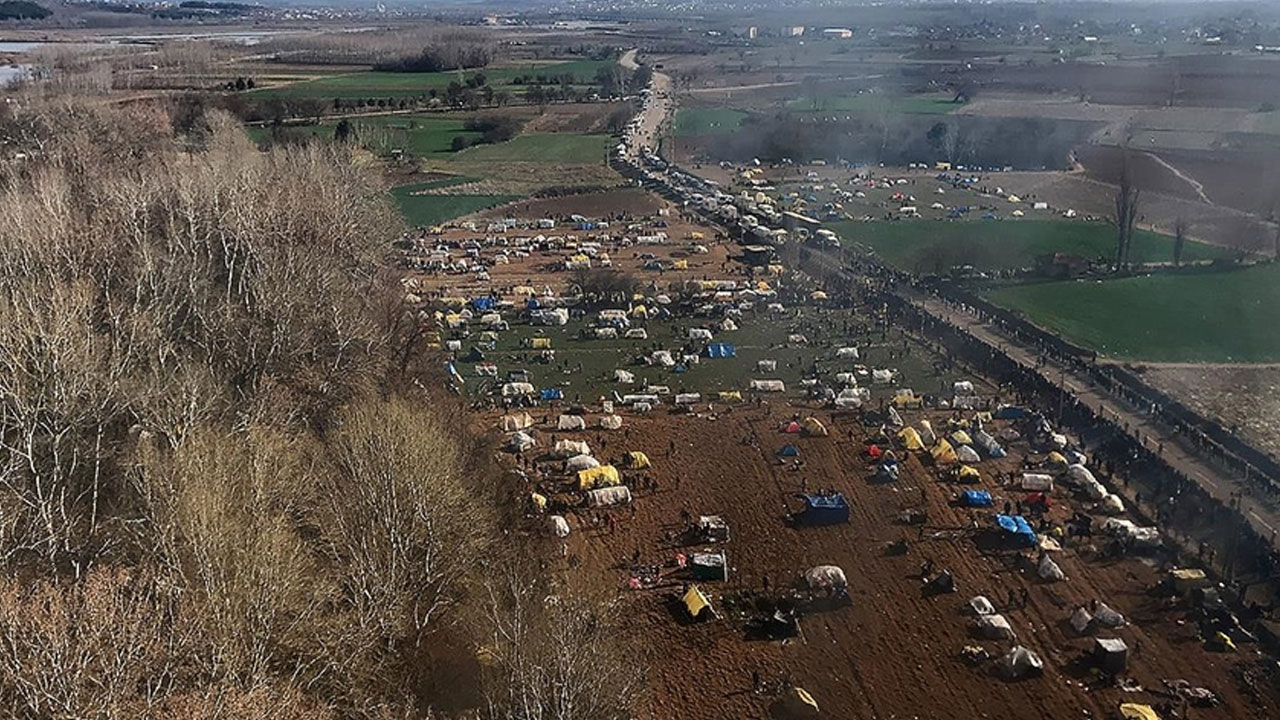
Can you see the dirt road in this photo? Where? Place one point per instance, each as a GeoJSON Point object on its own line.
{"type": "Point", "coordinates": [658, 107]}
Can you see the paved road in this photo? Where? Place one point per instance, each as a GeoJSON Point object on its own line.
{"type": "Point", "coordinates": [1218, 482]}
{"type": "Point", "coordinates": [657, 108]}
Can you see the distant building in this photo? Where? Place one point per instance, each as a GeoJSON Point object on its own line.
{"type": "Point", "coordinates": [837, 33]}
{"type": "Point", "coordinates": [752, 32]}
{"type": "Point", "coordinates": [794, 31]}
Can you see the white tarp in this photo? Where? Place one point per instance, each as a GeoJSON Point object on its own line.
{"type": "Point", "coordinates": [624, 377]}
{"type": "Point", "coordinates": [521, 441]}
{"type": "Point", "coordinates": [1095, 490]}
{"type": "Point", "coordinates": [699, 334]}
{"type": "Point", "coordinates": [768, 386]}
{"type": "Point", "coordinates": [559, 526]}
{"type": "Point", "coordinates": [663, 358]}
{"type": "Point", "coordinates": [1112, 505]}
{"type": "Point", "coordinates": [1021, 661]}
{"type": "Point", "coordinates": [994, 627]}
{"type": "Point", "coordinates": [926, 434]}
{"type": "Point", "coordinates": [967, 454]}
{"type": "Point", "coordinates": [516, 388]}
{"type": "Point", "coordinates": [849, 353]}
{"type": "Point", "coordinates": [616, 495]}
{"type": "Point", "coordinates": [1080, 620]}
{"type": "Point", "coordinates": [895, 419]}
{"type": "Point", "coordinates": [511, 423]}
{"type": "Point", "coordinates": [825, 576]}
{"type": "Point", "coordinates": [688, 398]}
{"type": "Point", "coordinates": [847, 378]}
{"type": "Point", "coordinates": [962, 387]}
{"type": "Point", "coordinates": [581, 462]}
{"type": "Point", "coordinates": [1080, 474]}
{"type": "Point", "coordinates": [1037, 482]}
{"type": "Point", "coordinates": [565, 449]}
{"type": "Point", "coordinates": [766, 365]}
{"type": "Point", "coordinates": [611, 422]}
{"type": "Point", "coordinates": [648, 398]}
{"type": "Point", "coordinates": [1108, 617]}
{"type": "Point", "coordinates": [883, 376]}
{"type": "Point", "coordinates": [571, 422]}
{"type": "Point", "coordinates": [981, 605]}
{"type": "Point", "coordinates": [1049, 570]}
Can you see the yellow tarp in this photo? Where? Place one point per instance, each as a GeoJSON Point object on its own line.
{"type": "Point", "coordinates": [943, 453]}
{"type": "Point", "coordinates": [763, 286]}
{"type": "Point", "coordinates": [961, 437]}
{"type": "Point", "coordinates": [1134, 711]}
{"type": "Point", "coordinates": [539, 501]}
{"type": "Point", "coordinates": [680, 265]}
{"type": "Point", "coordinates": [638, 459]}
{"type": "Point", "coordinates": [906, 398]}
{"type": "Point", "coordinates": [968, 471]}
{"type": "Point", "coordinates": [1221, 639]}
{"type": "Point", "coordinates": [640, 311]}
{"type": "Point", "coordinates": [523, 291]}
{"type": "Point", "coordinates": [695, 602]}
{"type": "Point", "coordinates": [731, 396]}
{"type": "Point", "coordinates": [454, 301]}
{"type": "Point", "coordinates": [983, 417]}
{"type": "Point", "coordinates": [813, 426]}
{"type": "Point", "coordinates": [541, 343]}
{"type": "Point", "coordinates": [775, 269]}
{"type": "Point", "coordinates": [696, 235]}
{"type": "Point", "coordinates": [910, 438]}
{"type": "Point", "coordinates": [1057, 458]}
{"type": "Point", "coordinates": [603, 476]}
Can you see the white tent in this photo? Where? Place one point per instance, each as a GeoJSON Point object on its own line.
{"type": "Point", "coordinates": [1080, 474]}
{"type": "Point", "coordinates": [611, 422]}
{"type": "Point", "coordinates": [768, 386]}
{"type": "Point", "coordinates": [1020, 662]}
{"type": "Point", "coordinates": [926, 433]}
{"type": "Point", "coordinates": [825, 576]}
{"type": "Point", "coordinates": [895, 419]}
{"type": "Point", "coordinates": [571, 422]}
{"type": "Point", "coordinates": [1037, 482]}
{"type": "Point", "coordinates": [581, 462]}
{"type": "Point", "coordinates": [663, 358]}
{"type": "Point", "coordinates": [962, 387]}
{"type": "Point", "coordinates": [624, 377]}
{"type": "Point", "coordinates": [1049, 570]}
{"type": "Point", "coordinates": [521, 441]}
{"type": "Point", "coordinates": [511, 423]}
{"type": "Point", "coordinates": [981, 605]}
{"type": "Point", "coordinates": [688, 398]}
{"type": "Point", "coordinates": [616, 495]}
{"type": "Point", "coordinates": [1108, 617]}
{"type": "Point", "coordinates": [847, 353]}
{"type": "Point", "coordinates": [516, 388]}
{"type": "Point", "coordinates": [766, 365]}
{"type": "Point", "coordinates": [994, 627]}
{"type": "Point", "coordinates": [1112, 505]}
{"type": "Point", "coordinates": [559, 526]}
{"type": "Point", "coordinates": [565, 449]}
{"type": "Point", "coordinates": [1095, 490]}
{"type": "Point", "coordinates": [1081, 620]}
{"type": "Point", "coordinates": [699, 334]}
{"type": "Point", "coordinates": [967, 454]}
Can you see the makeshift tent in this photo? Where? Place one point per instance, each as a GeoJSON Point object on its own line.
{"type": "Point", "coordinates": [849, 353]}
{"type": "Point", "coordinates": [603, 476]}
{"type": "Point", "coordinates": [1037, 481]}
{"type": "Point", "coordinates": [559, 526]}
{"type": "Point", "coordinates": [813, 427]}
{"type": "Point", "coordinates": [624, 377]}
{"type": "Point", "coordinates": [981, 605]}
{"type": "Point", "coordinates": [600, 497]}
{"type": "Point", "coordinates": [910, 439]}
{"type": "Point", "coordinates": [697, 604]}
{"type": "Point", "coordinates": [851, 398]}
{"type": "Point", "coordinates": [511, 423]}
{"type": "Point", "coordinates": [699, 334]}
{"type": "Point", "coordinates": [943, 453]}
{"type": "Point", "coordinates": [571, 422]}
{"type": "Point", "coordinates": [1009, 412]}
{"type": "Point", "coordinates": [766, 365]}
{"type": "Point", "coordinates": [521, 441]}
{"type": "Point", "coordinates": [539, 501]}
{"type": "Point", "coordinates": [788, 451]}
{"type": "Point", "coordinates": [565, 449]}
{"type": "Point", "coordinates": [1136, 711]}
{"type": "Point", "coordinates": [713, 528]}
{"type": "Point", "coordinates": [824, 509]}
{"type": "Point", "coordinates": [1107, 617]}
{"type": "Point", "coordinates": [721, 350]}
{"type": "Point", "coordinates": [709, 566]}
{"type": "Point", "coordinates": [975, 498]}
{"type": "Point", "coordinates": [967, 454]}
{"type": "Point", "coordinates": [578, 463]}
{"type": "Point", "coordinates": [1021, 662]}
{"type": "Point", "coordinates": [993, 627]}
{"type": "Point", "coordinates": [1056, 463]}
{"type": "Point", "coordinates": [637, 460]}
{"type": "Point", "coordinates": [1112, 505]}
{"type": "Point", "coordinates": [688, 398]}
{"type": "Point", "coordinates": [1049, 570]}
{"type": "Point", "coordinates": [927, 434]}
{"type": "Point", "coordinates": [1081, 620]}
{"type": "Point", "coordinates": [541, 343]}
{"type": "Point", "coordinates": [888, 471]}
{"type": "Point", "coordinates": [968, 474]}
{"type": "Point", "coordinates": [768, 386]}
{"type": "Point", "coordinates": [825, 577]}
{"type": "Point", "coordinates": [961, 437]}
{"type": "Point", "coordinates": [1017, 526]}
{"type": "Point", "coordinates": [611, 422]}
{"type": "Point", "coordinates": [895, 419]}
{"type": "Point", "coordinates": [551, 394]}
{"type": "Point", "coordinates": [882, 376]}
{"type": "Point", "coordinates": [792, 427]}
{"type": "Point", "coordinates": [516, 389]}
{"type": "Point", "coordinates": [1184, 580]}
{"type": "Point", "coordinates": [1111, 654]}
{"type": "Point", "coordinates": [729, 396]}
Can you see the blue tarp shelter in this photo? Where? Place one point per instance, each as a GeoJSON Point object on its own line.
{"type": "Point", "coordinates": [721, 350]}
{"type": "Point", "coordinates": [1019, 527]}
{"type": "Point", "coordinates": [483, 303]}
{"type": "Point", "coordinates": [551, 394]}
{"type": "Point", "coordinates": [824, 509]}
{"type": "Point", "coordinates": [976, 498]}
{"type": "Point", "coordinates": [1009, 412]}
{"type": "Point", "coordinates": [788, 451]}
{"type": "Point", "coordinates": [533, 304]}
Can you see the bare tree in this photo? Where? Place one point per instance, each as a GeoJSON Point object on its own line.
{"type": "Point", "coordinates": [1180, 228]}
{"type": "Point", "coordinates": [1126, 204]}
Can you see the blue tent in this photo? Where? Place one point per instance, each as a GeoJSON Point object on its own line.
{"type": "Point", "coordinates": [824, 509]}
{"type": "Point", "coordinates": [788, 451]}
{"type": "Point", "coordinates": [976, 498]}
{"type": "Point", "coordinates": [533, 304]}
{"type": "Point", "coordinates": [1018, 526]}
{"type": "Point", "coordinates": [551, 394]}
{"type": "Point", "coordinates": [721, 350]}
{"type": "Point", "coordinates": [1009, 412]}
{"type": "Point", "coordinates": [483, 303]}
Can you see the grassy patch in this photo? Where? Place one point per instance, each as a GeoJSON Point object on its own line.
{"type": "Point", "coordinates": [371, 84]}
{"type": "Point", "coordinates": [935, 246]}
{"type": "Point", "coordinates": [419, 135]}
{"type": "Point", "coordinates": [879, 102]}
{"type": "Point", "coordinates": [1209, 317]}
{"type": "Point", "coordinates": [426, 210]}
{"type": "Point", "coordinates": [559, 148]}
{"type": "Point", "coordinates": [707, 121]}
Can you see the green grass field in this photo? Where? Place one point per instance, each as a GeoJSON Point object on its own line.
{"type": "Point", "coordinates": [935, 246]}
{"type": "Point", "coordinates": [868, 102]}
{"type": "Point", "coordinates": [420, 135]}
{"type": "Point", "coordinates": [1209, 317]}
{"type": "Point", "coordinates": [427, 210]}
{"type": "Point", "coordinates": [371, 84]}
{"type": "Point", "coordinates": [707, 121]}
{"type": "Point", "coordinates": [559, 148]}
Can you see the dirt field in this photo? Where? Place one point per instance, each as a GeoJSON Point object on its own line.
{"type": "Point", "coordinates": [1243, 396]}
{"type": "Point", "coordinates": [894, 652]}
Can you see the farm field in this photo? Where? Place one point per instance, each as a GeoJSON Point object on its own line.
{"type": "Point", "coordinates": [557, 148]}
{"type": "Point", "coordinates": [424, 210]}
{"type": "Point", "coordinates": [692, 122]}
{"type": "Point", "coordinates": [934, 104]}
{"type": "Point", "coordinates": [397, 84]}
{"type": "Point", "coordinates": [936, 246]}
{"type": "Point", "coordinates": [419, 135]}
{"type": "Point", "coordinates": [1208, 317]}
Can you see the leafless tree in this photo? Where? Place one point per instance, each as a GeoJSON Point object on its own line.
{"type": "Point", "coordinates": [1126, 205]}
{"type": "Point", "coordinates": [1180, 229]}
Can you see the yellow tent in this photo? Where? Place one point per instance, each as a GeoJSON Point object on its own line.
{"type": "Point", "coordinates": [968, 472]}
{"type": "Point", "coordinates": [910, 438]}
{"type": "Point", "coordinates": [1134, 711]}
{"type": "Point", "coordinates": [680, 265]}
{"type": "Point", "coordinates": [639, 311]}
{"type": "Point", "coordinates": [1057, 458]}
{"type": "Point", "coordinates": [454, 320]}
{"type": "Point", "coordinates": [580, 259]}
{"type": "Point", "coordinates": [983, 417]}
{"type": "Point", "coordinates": [775, 269]}
{"type": "Point", "coordinates": [541, 343]}
{"type": "Point", "coordinates": [906, 398]}
{"type": "Point", "coordinates": [696, 603]}
{"type": "Point", "coordinates": [523, 291]}
{"type": "Point", "coordinates": [731, 396]}
{"type": "Point", "coordinates": [454, 301]}
{"type": "Point", "coordinates": [961, 438]}
{"type": "Point", "coordinates": [638, 459]}
{"type": "Point", "coordinates": [763, 286]}
{"type": "Point", "coordinates": [695, 235]}
{"type": "Point", "coordinates": [603, 476]}
{"type": "Point", "coordinates": [813, 426]}
{"type": "Point", "coordinates": [943, 453]}
{"type": "Point", "coordinates": [539, 501]}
